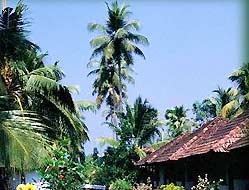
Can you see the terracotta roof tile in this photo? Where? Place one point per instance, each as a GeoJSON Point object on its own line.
{"type": "Point", "coordinates": [219, 135]}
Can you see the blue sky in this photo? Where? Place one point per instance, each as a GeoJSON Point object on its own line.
{"type": "Point", "coordinates": [194, 46]}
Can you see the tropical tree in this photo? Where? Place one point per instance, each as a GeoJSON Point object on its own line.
{"type": "Point", "coordinates": [106, 86]}
{"type": "Point", "coordinates": [204, 111]}
{"type": "Point", "coordinates": [241, 78]}
{"type": "Point", "coordinates": [177, 121]}
{"type": "Point", "coordinates": [28, 81]}
{"type": "Point", "coordinates": [115, 46]}
{"type": "Point", "coordinates": [13, 33]}
{"type": "Point", "coordinates": [35, 107]}
{"type": "Point", "coordinates": [226, 102]}
{"type": "Point", "coordinates": [39, 93]}
{"type": "Point", "coordinates": [137, 127]}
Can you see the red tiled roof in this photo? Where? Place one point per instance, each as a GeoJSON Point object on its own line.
{"type": "Point", "coordinates": [218, 135]}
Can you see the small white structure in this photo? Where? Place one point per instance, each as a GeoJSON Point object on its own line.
{"type": "Point", "coordinates": [97, 187]}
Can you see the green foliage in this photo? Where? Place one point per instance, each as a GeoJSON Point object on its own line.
{"type": "Point", "coordinates": [62, 171]}
{"type": "Point", "coordinates": [117, 163]}
{"type": "Point", "coordinates": [91, 169]}
{"type": "Point", "coordinates": [143, 186]}
{"type": "Point", "coordinates": [115, 46]}
{"type": "Point", "coordinates": [204, 111]}
{"type": "Point", "coordinates": [241, 78]}
{"type": "Point", "coordinates": [177, 121]}
{"type": "Point", "coordinates": [120, 184]}
{"type": "Point", "coordinates": [171, 186]}
{"type": "Point", "coordinates": [138, 125]}
{"type": "Point", "coordinates": [35, 107]}
{"type": "Point", "coordinates": [22, 139]}
{"type": "Point", "coordinates": [226, 102]}
{"type": "Point", "coordinates": [13, 32]}
{"type": "Point", "coordinates": [205, 184]}
{"type": "Point", "coordinates": [136, 128]}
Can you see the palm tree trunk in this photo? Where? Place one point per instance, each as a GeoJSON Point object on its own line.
{"type": "Point", "coordinates": [120, 104]}
{"type": "Point", "coordinates": [114, 118]}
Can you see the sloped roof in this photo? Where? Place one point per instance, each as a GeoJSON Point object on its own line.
{"type": "Point", "coordinates": [218, 135]}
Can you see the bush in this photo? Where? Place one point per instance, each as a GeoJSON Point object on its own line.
{"type": "Point", "coordinates": [120, 184]}
{"type": "Point", "coordinates": [117, 163]}
{"type": "Point", "coordinates": [62, 171]}
{"type": "Point", "coordinates": [171, 186]}
{"type": "Point", "coordinates": [143, 186]}
{"type": "Point", "coordinates": [205, 184]}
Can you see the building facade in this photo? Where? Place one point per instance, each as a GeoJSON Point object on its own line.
{"type": "Point", "coordinates": [220, 149]}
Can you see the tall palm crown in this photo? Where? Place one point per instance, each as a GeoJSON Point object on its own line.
{"type": "Point", "coordinates": [116, 46]}
{"type": "Point", "coordinates": [226, 102]}
{"type": "Point", "coordinates": [13, 33]}
{"type": "Point", "coordinates": [241, 78]}
{"type": "Point", "coordinates": [138, 125]}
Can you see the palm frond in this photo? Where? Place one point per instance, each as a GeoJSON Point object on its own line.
{"type": "Point", "coordinates": [96, 27]}
{"type": "Point", "coordinates": [51, 72]}
{"type": "Point", "coordinates": [108, 141]}
{"type": "Point", "coordinates": [228, 108]}
{"type": "Point", "coordinates": [93, 64]}
{"type": "Point", "coordinates": [86, 105]}
{"type": "Point", "coordinates": [41, 83]}
{"type": "Point", "coordinates": [138, 39]}
{"type": "Point", "coordinates": [121, 33]}
{"type": "Point", "coordinates": [22, 130]}
{"type": "Point", "coordinates": [133, 24]}
{"type": "Point", "coordinates": [74, 89]}
{"type": "Point", "coordinates": [140, 152]}
{"type": "Point", "coordinates": [99, 41]}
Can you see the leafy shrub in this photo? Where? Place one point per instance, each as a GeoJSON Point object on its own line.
{"type": "Point", "coordinates": [205, 184]}
{"type": "Point", "coordinates": [171, 186]}
{"type": "Point", "coordinates": [91, 170]}
{"type": "Point", "coordinates": [117, 163]}
{"type": "Point", "coordinates": [120, 184]}
{"type": "Point", "coordinates": [62, 171]}
{"type": "Point", "coordinates": [143, 186]}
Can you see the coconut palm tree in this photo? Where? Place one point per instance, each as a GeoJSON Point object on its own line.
{"type": "Point", "coordinates": [43, 108]}
{"type": "Point", "coordinates": [29, 82]}
{"type": "Point", "coordinates": [137, 127]}
{"type": "Point", "coordinates": [116, 46]}
{"type": "Point", "coordinates": [241, 78]}
{"type": "Point", "coordinates": [106, 86]}
{"type": "Point", "coordinates": [35, 107]}
{"type": "Point", "coordinates": [226, 102]}
{"type": "Point", "coordinates": [13, 33]}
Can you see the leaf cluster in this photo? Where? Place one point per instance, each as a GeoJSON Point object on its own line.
{"type": "Point", "coordinates": [62, 171]}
